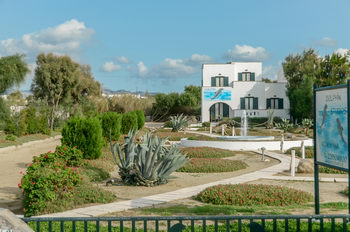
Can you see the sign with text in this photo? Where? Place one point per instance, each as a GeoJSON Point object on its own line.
{"type": "Point", "coordinates": [217, 94]}
{"type": "Point", "coordinates": [331, 124]}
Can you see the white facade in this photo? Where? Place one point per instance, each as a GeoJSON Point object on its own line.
{"type": "Point", "coordinates": [228, 89]}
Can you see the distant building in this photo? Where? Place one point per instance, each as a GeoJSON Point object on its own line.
{"type": "Point", "coordinates": [228, 89]}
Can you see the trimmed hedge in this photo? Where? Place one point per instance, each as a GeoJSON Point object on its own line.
{"type": "Point", "coordinates": [206, 152]}
{"type": "Point", "coordinates": [129, 121]}
{"type": "Point", "coordinates": [85, 134]}
{"type": "Point", "coordinates": [140, 118]}
{"type": "Point", "coordinates": [253, 195]}
{"type": "Point", "coordinates": [111, 125]}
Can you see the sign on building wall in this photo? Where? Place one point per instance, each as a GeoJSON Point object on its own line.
{"type": "Point", "coordinates": [217, 94]}
{"type": "Point", "coordinates": [331, 122]}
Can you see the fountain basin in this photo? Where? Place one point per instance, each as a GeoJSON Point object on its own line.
{"type": "Point", "coordinates": [246, 138]}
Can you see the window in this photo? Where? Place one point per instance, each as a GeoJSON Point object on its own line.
{"type": "Point", "coordinates": [219, 81]}
{"type": "Point", "coordinates": [246, 76]}
{"type": "Point", "coordinates": [249, 103]}
{"type": "Point", "coordinates": [274, 103]}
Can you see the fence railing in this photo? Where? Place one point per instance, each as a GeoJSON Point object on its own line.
{"type": "Point", "coordinates": [271, 223]}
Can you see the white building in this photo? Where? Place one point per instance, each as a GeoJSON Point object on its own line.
{"type": "Point", "coordinates": [228, 89]}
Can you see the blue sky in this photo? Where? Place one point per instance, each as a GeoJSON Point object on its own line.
{"type": "Point", "coordinates": [159, 45]}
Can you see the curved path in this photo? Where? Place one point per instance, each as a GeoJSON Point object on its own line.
{"type": "Point", "coordinates": [13, 162]}
{"type": "Point", "coordinates": [98, 210]}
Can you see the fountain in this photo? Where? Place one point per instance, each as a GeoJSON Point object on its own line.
{"type": "Point", "coordinates": [244, 132]}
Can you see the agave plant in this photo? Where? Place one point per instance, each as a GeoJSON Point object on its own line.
{"type": "Point", "coordinates": [178, 122]}
{"type": "Point", "coordinates": [148, 163]}
{"type": "Point", "coordinates": [285, 125]}
{"type": "Point", "coordinates": [307, 124]}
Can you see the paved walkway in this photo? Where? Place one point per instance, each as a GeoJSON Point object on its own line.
{"type": "Point", "coordinates": [98, 210]}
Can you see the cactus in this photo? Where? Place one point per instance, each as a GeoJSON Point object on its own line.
{"type": "Point", "coordinates": [307, 124]}
{"type": "Point", "coordinates": [285, 125]}
{"type": "Point", "coordinates": [148, 163]}
{"type": "Point", "coordinates": [178, 122]}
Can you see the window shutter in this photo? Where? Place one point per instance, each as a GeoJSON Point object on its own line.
{"type": "Point", "coordinates": [226, 111]}
{"type": "Point", "coordinates": [252, 76]}
{"type": "Point", "coordinates": [280, 103]}
{"type": "Point", "coordinates": [213, 81]}
{"type": "Point", "coordinates": [268, 103]}
{"type": "Point", "coordinates": [239, 76]}
{"type": "Point", "coordinates": [225, 81]}
{"type": "Point", "coordinates": [255, 103]}
{"type": "Point", "coordinates": [242, 103]}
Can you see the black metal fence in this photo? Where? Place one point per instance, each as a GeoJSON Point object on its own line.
{"type": "Point", "coordinates": [273, 223]}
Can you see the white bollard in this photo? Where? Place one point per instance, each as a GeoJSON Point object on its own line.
{"type": "Point", "coordinates": [263, 153]}
{"type": "Point", "coordinates": [222, 129]}
{"type": "Point", "coordinates": [233, 131]}
{"type": "Point", "coordinates": [210, 129]}
{"type": "Point", "coordinates": [282, 143]}
{"type": "Point", "coordinates": [292, 164]}
{"type": "Point", "coordinates": [302, 150]}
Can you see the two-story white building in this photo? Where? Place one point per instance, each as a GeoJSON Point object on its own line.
{"type": "Point", "coordinates": [228, 89]}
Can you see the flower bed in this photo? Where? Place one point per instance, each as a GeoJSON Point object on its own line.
{"type": "Point", "coordinates": [207, 152]}
{"type": "Point", "coordinates": [252, 195]}
{"type": "Point", "coordinates": [205, 165]}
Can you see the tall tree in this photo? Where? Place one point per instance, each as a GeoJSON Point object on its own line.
{"type": "Point", "coordinates": [303, 70]}
{"type": "Point", "coordinates": [13, 70]}
{"type": "Point", "coordinates": [58, 80]}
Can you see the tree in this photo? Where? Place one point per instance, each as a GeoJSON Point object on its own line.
{"type": "Point", "coordinates": [195, 91]}
{"type": "Point", "coordinates": [58, 80]}
{"type": "Point", "coordinates": [13, 70]}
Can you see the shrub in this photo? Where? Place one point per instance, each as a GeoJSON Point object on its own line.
{"type": "Point", "coordinates": [168, 124]}
{"type": "Point", "coordinates": [85, 134]}
{"type": "Point", "coordinates": [129, 122]}
{"type": "Point", "coordinates": [206, 124]}
{"type": "Point", "coordinates": [16, 124]}
{"type": "Point", "coordinates": [37, 122]}
{"type": "Point", "coordinates": [149, 163]}
{"type": "Point", "coordinates": [323, 169]}
{"type": "Point", "coordinates": [72, 156]}
{"type": "Point", "coordinates": [212, 165]}
{"type": "Point", "coordinates": [11, 137]}
{"type": "Point", "coordinates": [253, 195]}
{"type": "Point", "coordinates": [140, 118]}
{"type": "Point", "coordinates": [206, 152]}
{"type": "Point", "coordinates": [111, 123]}
{"type": "Point", "coordinates": [309, 151]}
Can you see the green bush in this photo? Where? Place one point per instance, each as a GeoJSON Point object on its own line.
{"type": "Point", "coordinates": [37, 122]}
{"type": "Point", "coordinates": [206, 152]}
{"type": "Point", "coordinates": [168, 124]}
{"type": "Point", "coordinates": [323, 169]}
{"type": "Point", "coordinates": [129, 121]}
{"type": "Point", "coordinates": [85, 134]}
{"type": "Point", "coordinates": [111, 123]}
{"type": "Point", "coordinates": [206, 124]}
{"type": "Point", "coordinates": [253, 195]}
{"type": "Point", "coordinates": [140, 118]}
{"type": "Point", "coordinates": [309, 151]}
{"type": "Point", "coordinates": [11, 137]}
{"type": "Point", "coordinates": [199, 165]}
{"type": "Point", "coordinates": [16, 124]}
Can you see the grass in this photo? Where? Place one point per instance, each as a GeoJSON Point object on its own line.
{"type": "Point", "coordinates": [24, 139]}
{"type": "Point", "coordinates": [309, 151]}
{"type": "Point", "coordinates": [323, 169]}
{"type": "Point", "coordinates": [95, 174]}
{"type": "Point", "coordinates": [253, 195]}
{"type": "Point", "coordinates": [203, 138]}
{"type": "Point", "coordinates": [173, 136]}
{"type": "Point", "coordinates": [207, 152]}
{"type": "Point", "coordinates": [210, 165]}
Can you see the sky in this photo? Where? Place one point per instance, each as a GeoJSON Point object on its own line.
{"type": "Point", "coordinates": [160, 45]}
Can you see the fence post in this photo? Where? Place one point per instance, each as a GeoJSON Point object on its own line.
{"type": "Point", "coordinates": [223, 129]}
{"type": "Point", "coordinates": [210, 129]}
{"type": "Point", "coordinates": [233, 131]}
{"type": "Point", "coordinates": [302, 150]}
{"type": "Point", "coordinates": [292, 164]}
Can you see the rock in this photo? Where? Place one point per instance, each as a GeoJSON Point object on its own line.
{"type": "Point", "coordinates": [305, 166]}
{"type": "Point", "coordinates": [267, 160]}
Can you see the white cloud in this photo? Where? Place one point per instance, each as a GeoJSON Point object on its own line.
{"type": "Point", "coordinates": [66, 38]}
{"type": "Point", "coordinates": [172, 68]}
{"type": "Point", "coordinates": [122, 59]}
{"type": "Point", "coordinates": [247, 53]}
{"type": "Point", "coordinates": [342, 51]}
{"type": "Point", "coordinates": [141, 69]}
{"type": "Point", "coordinates": [110, 66]}
{"type": "Point", "coordinates": [326, 42]}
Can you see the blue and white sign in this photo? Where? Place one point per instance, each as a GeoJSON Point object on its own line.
{"type": "Point", "coordinates": [217, 94]}
{"type": "Point", "coordinates": [332, 127]}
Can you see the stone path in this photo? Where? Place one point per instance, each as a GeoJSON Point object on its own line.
{"type": "Point", "coordinates": [98, 210]}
